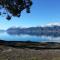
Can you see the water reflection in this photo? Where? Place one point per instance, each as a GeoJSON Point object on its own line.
{"type": "Point", "coordinates": [25, 37]}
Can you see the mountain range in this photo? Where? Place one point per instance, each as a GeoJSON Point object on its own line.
{"type": "Point", "coordinates": [46, 30]}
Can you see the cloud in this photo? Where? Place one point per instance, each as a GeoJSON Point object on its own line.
{"type": "Point", "coordinates": [50, 24]}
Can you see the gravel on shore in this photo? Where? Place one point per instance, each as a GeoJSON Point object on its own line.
{"type": "Point", "coordinates": [11, 53]}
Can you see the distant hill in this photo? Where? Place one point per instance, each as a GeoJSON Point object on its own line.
{"type": "Point", "coordinates": [47, 30]}
{"type": "Point", "coordinates": [2, 30]}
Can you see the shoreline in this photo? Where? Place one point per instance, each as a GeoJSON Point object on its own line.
{"type": "Point", "coordinates": [31, 45]}
{"type": "Point", "coordinates": [21, 52]}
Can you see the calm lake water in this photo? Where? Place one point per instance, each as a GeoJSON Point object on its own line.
{"type": "Point", "coordinates": [8, 37]}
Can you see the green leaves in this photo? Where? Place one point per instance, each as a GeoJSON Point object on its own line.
{"type": "Point", "coordinates": [14, 7]}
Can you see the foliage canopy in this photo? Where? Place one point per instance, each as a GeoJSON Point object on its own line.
{"type": "Point", "coordinates": [14, 7]}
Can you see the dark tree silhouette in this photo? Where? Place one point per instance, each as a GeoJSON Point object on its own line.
{"type": "Point", "coordinates": [14, 7]}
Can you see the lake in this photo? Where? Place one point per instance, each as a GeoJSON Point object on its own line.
{"type": "Point", "coordinates": [23, 37]}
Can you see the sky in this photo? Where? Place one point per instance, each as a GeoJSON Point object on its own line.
{"type": "Point", "coordinates": [42, 12]}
